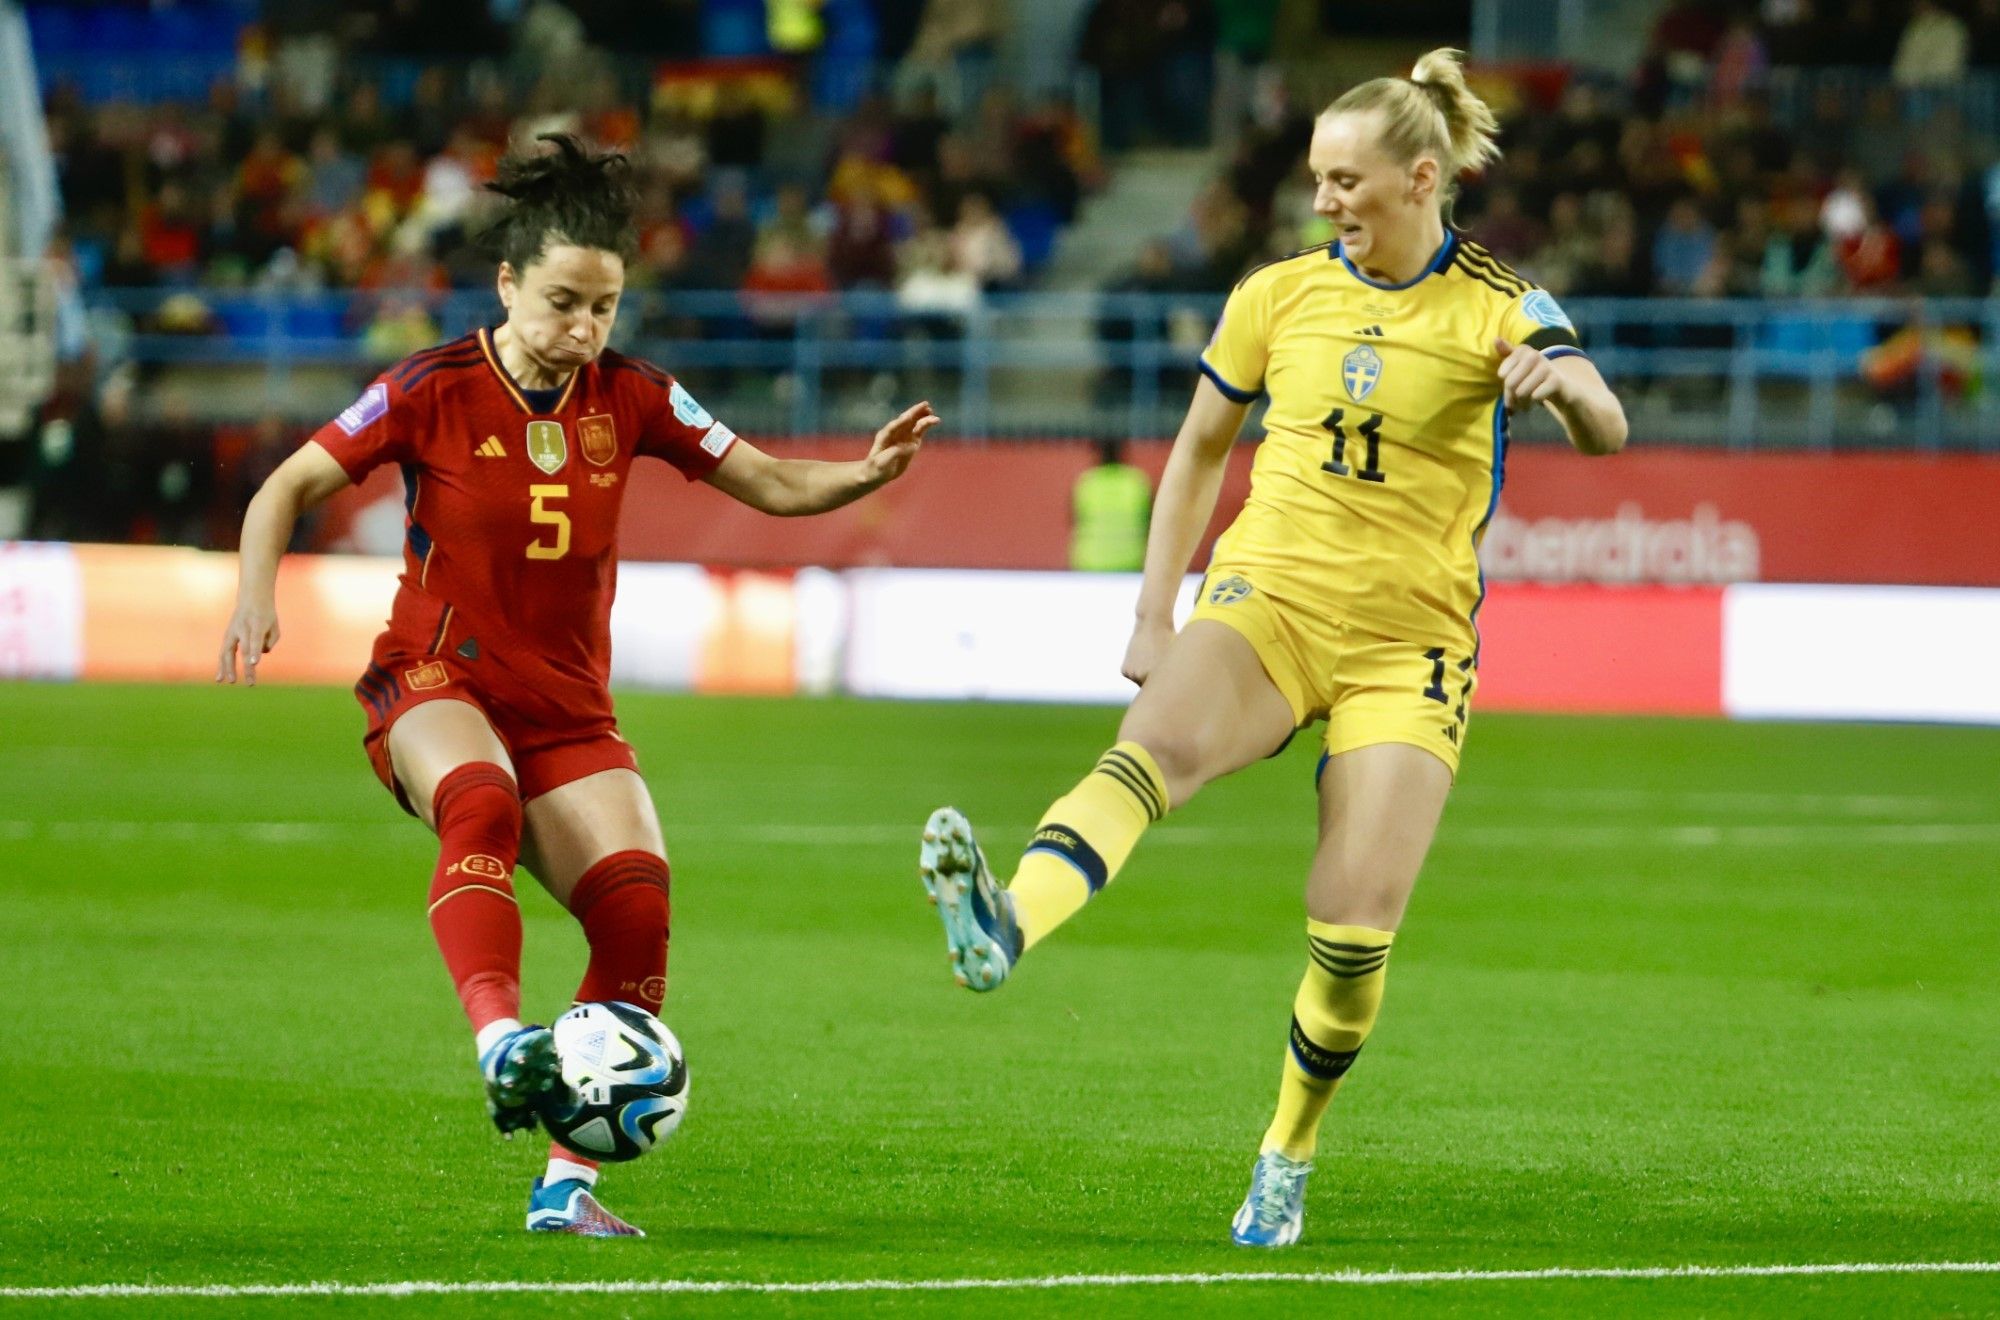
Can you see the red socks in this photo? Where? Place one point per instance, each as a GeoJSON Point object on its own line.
{"type": "Point", "coordinates": [473, 912]}
{"type": "Point", "coordinates": [622, 903]}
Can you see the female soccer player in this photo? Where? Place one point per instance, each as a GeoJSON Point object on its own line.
{"type": "Point", "coordinates": [1345, 590]}
{"type": "Point", "coordinates": [489, 715]}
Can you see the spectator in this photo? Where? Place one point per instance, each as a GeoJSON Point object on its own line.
{"type": "Point", "coordinates": [1560, 261]}
{"type": "Point", "coordinates": [1741, 64]}
{"type": "Point", "coordinates": [1872, 257]}
{"type": "Point", "coordinates": [722, 249]}
{"type": "Point", "coordinates": [333, 174]}
{"type": "Point", "coordinates": [1942, 272]}
{"type": "Point", "coordinates": [981, 245]}
{"type": "Point", "coordinates": [1798, 258]}
{"type": "Point", "coordinates": [1933, 48]}
{"type": "Point", "coordinates": [930, 282]}
{"type": "Point", "coordinates": [792, 220]}
{"type": "Point", "coordinates": [1511, 235]}
{"type": "Point", "coordinates": [861, 252]}
{"type": "Point", "coordinates": [1682, 249]}
{"type": "Point", "coordinates": [1983, 35]}
{"type": "Point", "coordinates": [959, 43]}
{"type": "Point", "coordinates": [785, 282]}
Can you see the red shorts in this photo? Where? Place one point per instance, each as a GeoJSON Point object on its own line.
{"type": "Point", "coordinates": [544, 756]}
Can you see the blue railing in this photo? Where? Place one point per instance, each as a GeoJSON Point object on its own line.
{"type": "Point", "coordinates": [1848, 373]}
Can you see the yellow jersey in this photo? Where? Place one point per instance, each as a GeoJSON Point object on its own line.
{"type": "Point", "coordinates": [1386, 436]}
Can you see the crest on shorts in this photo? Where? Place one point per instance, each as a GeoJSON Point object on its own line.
{"type": "Point", "coordinates": [1359, 371]}
{"type": "Point", "coordinates": [548, 449]}
{"type": "Point", "coordinates": [426, 676]}
{"type": "Point", "coordinates": [597, 438]}
{"type": "Point", "coordinates": [1228, 591]}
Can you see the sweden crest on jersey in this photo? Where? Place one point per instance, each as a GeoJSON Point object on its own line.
{"type": "Point", "coordinates": [1359, 371]}
{"type": "Point", "coordinates": [547, 447]}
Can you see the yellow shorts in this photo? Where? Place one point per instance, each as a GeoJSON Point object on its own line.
{"type": "Point", "coordinates": [1368, 688]}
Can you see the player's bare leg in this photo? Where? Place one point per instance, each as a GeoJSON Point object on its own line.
{"type": "Point", "coordinates": [595, 845]}
{"type": "Point", "coordinates": [1379, 810]}
{"type": "Point", "coordinates": [455, 770]}
{"type": "Point", "coordinates": [1207, 710]}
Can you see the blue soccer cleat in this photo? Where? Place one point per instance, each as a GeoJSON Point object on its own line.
{"type": "Point", "coordinates": [568, 1207]}
{"type": "Point", "coordinates": [1275, 1210]}
{"type": "Point", "coordinates": [522, 1072]}
{"type": "Point", "coordinates": [978, 914]}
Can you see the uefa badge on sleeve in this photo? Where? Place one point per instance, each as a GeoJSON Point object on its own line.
{"type": "Point", "coordinates": [547, 447]}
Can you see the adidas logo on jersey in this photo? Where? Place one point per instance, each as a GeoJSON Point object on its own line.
{"type": "Point", "coordinates": [1373, 331]}
{"type": "Point", "coordinates": [492, 448]}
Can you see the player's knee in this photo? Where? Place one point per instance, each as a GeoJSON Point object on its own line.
{"type": "Point", "coordinates": [638, 884]}
{"type": "Point", "coordinates": [1177, 753]}
{"type": "Point", "coordinates": [1358, 895]}
{"type": "Point", "coordinates": [480, 797]}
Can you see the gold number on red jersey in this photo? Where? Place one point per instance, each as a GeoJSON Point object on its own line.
{"type": "Point", "coordinates": [539, 512]}
{"type": "Point", "coordinates": [1371, 431]}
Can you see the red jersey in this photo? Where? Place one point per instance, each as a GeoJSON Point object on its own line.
{"type": "Point", "coordinates": [512, 513]}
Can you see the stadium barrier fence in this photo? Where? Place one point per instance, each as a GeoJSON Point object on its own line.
{"type": "Point", "coordinates": [1747, 650]}
{"type": "Point", "coordinates": [1735, 373]}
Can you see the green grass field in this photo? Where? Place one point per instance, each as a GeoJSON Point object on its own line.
{"type": "Point", "coordinates": [1671, 993]}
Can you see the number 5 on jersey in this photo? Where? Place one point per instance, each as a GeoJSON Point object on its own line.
{"type": "Point", "coordinates": [538, 512]}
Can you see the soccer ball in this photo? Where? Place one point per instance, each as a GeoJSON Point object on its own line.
{"type": "Point", "coordinates": [629, 1077]}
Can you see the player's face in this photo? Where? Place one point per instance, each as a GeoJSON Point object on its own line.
{"type": "Point", "coordinates": [1372, 200]}
{"type": "Point", "coordinates": [562, 307]}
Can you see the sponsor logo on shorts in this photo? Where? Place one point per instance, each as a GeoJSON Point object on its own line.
{"type": "Point", "coordinates": [432, 675]}
{"type": "Point", "coordinates": [1230, 590]}
{"type": "Point", "coordinates": [484, 866]}
{"type": "Point", "coordinates": [598, 438]}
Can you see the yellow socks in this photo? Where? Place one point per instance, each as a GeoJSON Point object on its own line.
{"type": "Point", "coordinates": [1084, 838]}
{"type": "Point", "coordinates": [1331, 1017]}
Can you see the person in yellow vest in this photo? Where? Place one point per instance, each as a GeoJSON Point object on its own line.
{"type": "Point", "coordinates": [1110, 507]}
{"type": "Point", "coordinates": [1345, 591]}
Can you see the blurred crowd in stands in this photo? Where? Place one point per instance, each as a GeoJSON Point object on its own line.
{"type": "Point", "coordinates": [299, 175]}
{"type": "Point", "coordinates": [1704, 172]}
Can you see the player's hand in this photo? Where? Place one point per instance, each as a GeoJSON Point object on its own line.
{"type": "Point", "coordinates": [253, 630]}
{"type": "Point", "coordinates": [898, 442]}
{"type": "Point", "coordinates": [1149, 642]}
{"type": "Point", "coordinates": [1525, 375]}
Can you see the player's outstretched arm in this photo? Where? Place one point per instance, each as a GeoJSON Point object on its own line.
{"type": "Point", "coordinates": [1589, 412]}
{"type": "Point", "coordinates": [1188, 491]}
{"type": "Point", "coordinates": [302, 482]}
{"type": "Point", "coordinates": [790, 487]}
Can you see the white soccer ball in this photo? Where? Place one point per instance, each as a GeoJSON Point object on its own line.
{"type": "Point", "coordinates": [629, 1077]}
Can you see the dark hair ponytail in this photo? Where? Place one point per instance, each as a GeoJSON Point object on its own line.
{"type": "Point", "coordinates": [567, 194]}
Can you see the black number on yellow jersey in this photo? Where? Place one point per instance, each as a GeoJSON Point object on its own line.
{"type": "Point", "coordinates": [1371, 431]}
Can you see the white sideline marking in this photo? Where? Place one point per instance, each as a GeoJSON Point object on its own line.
{"type": "Point", "coordinates": [622, 1287]}
{"type": "Point", "coordinates": [1556, 836]}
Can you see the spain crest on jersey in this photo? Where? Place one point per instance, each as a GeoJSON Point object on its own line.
{"type": "Point", "coordinates": [1359, 371]}
{"type": "Point", "coordinates": [547, 447]}
{"type": "Point", "coordinates": [597, 438]}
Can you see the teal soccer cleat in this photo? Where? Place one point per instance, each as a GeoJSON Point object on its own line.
{"type": "Point", "coordinates": [1275, 1210]}
{"type": "Point", "coordinates": [521, 1071]}
{"type": "Point", "coordinates": [568, 1207]}
{"type": "Point", "coordinates": [978, 914]}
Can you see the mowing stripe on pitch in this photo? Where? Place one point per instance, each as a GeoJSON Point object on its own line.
{"type": "Point", "coordinates": [1937, 834]}
{"type": "Point", "coordinates": [1350, 1278]}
